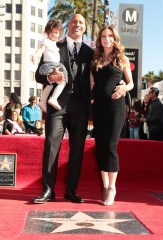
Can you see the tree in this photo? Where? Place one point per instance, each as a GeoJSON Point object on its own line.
{"type": "Point", "coordinates": [65, 9]}
{"type": "Point", "coordinates": [151, 78]}
{"type": "Point", "coordinates": [160, 75]}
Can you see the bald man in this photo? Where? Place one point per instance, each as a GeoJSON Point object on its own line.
{"type": "Point", "coordinates": [75, 103]}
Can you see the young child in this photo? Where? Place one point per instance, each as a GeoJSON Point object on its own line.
{"type": "Point", "coordinates": [51, 57]}
{"type": "Point", "coordinates": [12, 125]}
{"type": "Point", "coordinates": [38, 128]}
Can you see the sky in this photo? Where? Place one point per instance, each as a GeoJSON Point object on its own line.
{"type": "Point", "coordinates": [152, 59]}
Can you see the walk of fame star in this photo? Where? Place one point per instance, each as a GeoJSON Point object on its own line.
{"type": "Point", "coordinates": [83, 222]}
{"type": "Point", "coordinates": [5, 164]}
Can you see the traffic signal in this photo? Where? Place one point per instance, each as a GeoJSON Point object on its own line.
{"type": "Point", "coordinates": [105, 15]}
{"type": "Point", "coordinates": [106, 2]}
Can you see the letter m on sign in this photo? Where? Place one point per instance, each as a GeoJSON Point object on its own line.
{"type": "Point", "coordinates": [131, 16]}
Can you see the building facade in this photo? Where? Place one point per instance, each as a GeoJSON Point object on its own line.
{"type": "Point", "coordinates": [21, 25]}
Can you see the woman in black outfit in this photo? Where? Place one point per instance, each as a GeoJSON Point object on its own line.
{"type": "Point", "coordinates": [144, 114]}
{"type": "Point", "coordinates": [108, 65]}
{"type": "Point", "coordinates": [13, 104]}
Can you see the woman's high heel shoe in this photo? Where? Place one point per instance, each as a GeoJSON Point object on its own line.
{"type": "Point", "coordinates": [108, 196]}
{"type": "Point", "coordinates": [104, 194]}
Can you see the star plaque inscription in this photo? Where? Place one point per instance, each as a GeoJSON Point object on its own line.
{"type": "Point", "coordinates": [7, 169]}
{"type": "Point", "coordinates": [55, 222]}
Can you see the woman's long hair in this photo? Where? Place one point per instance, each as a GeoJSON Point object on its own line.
{"type": "Point", "coordinates": [117, 55]}
{"type": "Point", "coordinates": [15, 98]}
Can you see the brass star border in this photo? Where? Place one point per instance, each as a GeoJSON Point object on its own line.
{"type": "Point", "coordinates": [75, 222]}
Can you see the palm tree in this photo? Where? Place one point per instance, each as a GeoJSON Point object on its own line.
{"type": "Point", "coordinates": [65, 9]}
{"type": "Point", "coordinates": [160, 75]}
{"type": "Point", "coordinates": [149, 78]}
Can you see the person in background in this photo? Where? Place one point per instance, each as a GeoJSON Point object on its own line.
{"type": "Point", "coordinates": [12, 126]}
{"type": "Point", "coordinates": [1, 122]}
{"type": "Point", "coordinates": [125, 133]}
{"type": "Point", "coordinates": [31, 113]}
{"type": "Point", "coordinates": [73, 116]}
{"type": "Point", "coordinates": [14, 103]}
{"type": "Point", "coordinates": [53, 31]}
{"type": "Point", "coordinates": [134, 118]}
{"type": "Point", "coordinates": [143, 131]}
{"type": "Point", "coordinates": [109, 108]}
{"type": "Point", "coordinates": [38, 128]}
{"type": "Point", "coordinates": [154, 118]}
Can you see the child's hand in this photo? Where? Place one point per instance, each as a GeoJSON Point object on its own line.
{"type": "Point", "coordinates": [32, 59]}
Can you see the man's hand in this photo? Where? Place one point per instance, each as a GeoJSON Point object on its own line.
{"type": "Point", "coordinates": [56, 76]}
{"type": "Point", "coordinates": [120, 90]}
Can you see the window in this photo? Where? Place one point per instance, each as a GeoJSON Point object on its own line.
{"type": "Point", "coordinates": [40, 29]}
{"type": "Point", "coordinates": [7, 91]}
{"type": "Point", "coordinates": [40, 13]}
{"type": "Point", "coordinates": [17, 90]}
{"type": "Point", "coordinates": [8, 24]}
{"type": "Point", "coordinates": [39, 43]}
{"type": "Point", "coordinates": [33, 27]}
{"type": "Point", "coordinates": [31, 92]}
{"type": "Point", "coordinates": [8, 41]}
{"type": "Point", "coordinates": [32, 76]}
{"type": "Point", "coordinates": [18, 42]}
{"type": "Point", "coordinates": [17, 58]}
{"type": "Point", "coordinates": [7, 75]}
{"type": "Point", "coordinates": [33, 11]}
{"type": "Point", "coordinates": [8, 8]}
{"type": "Point", "coordinates": [7, 58]}
{"type": "Point", "coordinates": [39, 92]}
{"type": "Point", "coordinates": [17, 75]}
{"type": "Point", "coordinates": [32, 44]}
{"type": "Point", "coordinates": [18, 25]}
{"type": "Point", "coordinates": [18, 8]}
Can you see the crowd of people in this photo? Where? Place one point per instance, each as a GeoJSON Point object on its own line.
{"type": "Point", "coordinates": [83, 74]}
{"type": "Point", "coordinates": [145, 119]}
{"type": "Point", "coordinates": [18, 119]}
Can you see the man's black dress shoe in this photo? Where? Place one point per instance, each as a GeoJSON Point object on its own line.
{"type": "Point", "coordinates": [73, 197]}
{"type": "Point", "coordinates": [44, 197]}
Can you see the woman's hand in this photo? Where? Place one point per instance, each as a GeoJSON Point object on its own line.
{"type": "Point", "coordinates": [142, 119]}
{"type": "Point", "coordinates": [56, 76]}
{"type": "Point", "coordinates": [120, 90]}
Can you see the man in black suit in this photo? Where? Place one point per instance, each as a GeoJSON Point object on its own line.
{"type": "Point", "coordinates": [155, 115]}
{"type": "Point", "coordinates": [75, 103]}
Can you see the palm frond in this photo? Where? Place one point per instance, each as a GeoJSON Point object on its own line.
{"type": "Point", "coordinates": [64, 10]}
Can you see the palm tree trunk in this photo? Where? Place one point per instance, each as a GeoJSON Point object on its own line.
{"type": "Point", "coordinates": [94, 20]}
